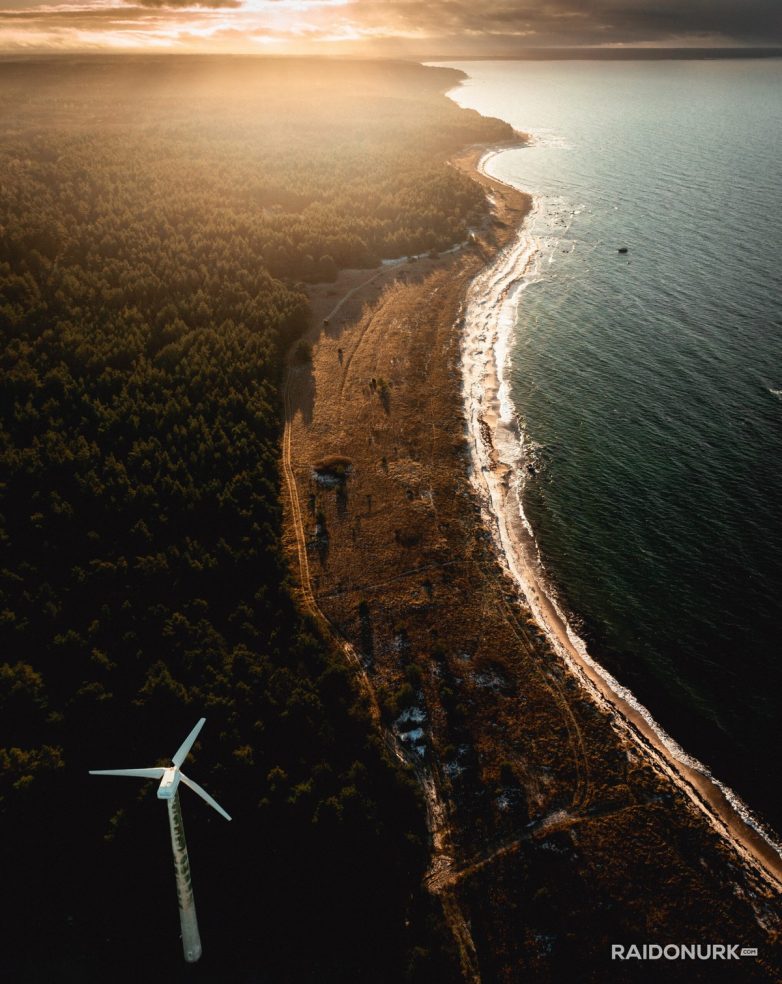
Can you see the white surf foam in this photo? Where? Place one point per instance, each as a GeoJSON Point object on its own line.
{"type": "Point", "coordinates": [489, 322]}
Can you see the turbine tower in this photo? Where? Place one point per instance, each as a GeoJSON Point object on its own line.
{"type": "Point", "coordinates": [168, 790]}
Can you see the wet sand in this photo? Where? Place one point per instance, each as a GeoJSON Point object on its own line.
{"type": "Point", "coordinates": [497, 464]}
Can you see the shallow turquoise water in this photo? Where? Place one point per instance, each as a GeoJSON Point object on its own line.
{"type": "Point", "coordinates": [649, 385]}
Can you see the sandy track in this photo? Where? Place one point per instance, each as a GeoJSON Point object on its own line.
{"type": "Point", "coordinates": [437, 812]}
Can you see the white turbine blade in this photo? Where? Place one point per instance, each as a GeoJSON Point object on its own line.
{"type": "Point", "coordinates": [187, 744]}
{"type": "Point", "coordinates": [139, 773]}
{"type": "Point", "coordinates": [204, 795]}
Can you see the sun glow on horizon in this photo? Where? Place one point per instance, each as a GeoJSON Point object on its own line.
{"type": "Point", "coordinates": [227, 25]}
{"type": "Point", "coordinates": [370, 26]}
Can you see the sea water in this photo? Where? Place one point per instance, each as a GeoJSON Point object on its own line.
{"type": "Point", "coordinates": [648, 384]}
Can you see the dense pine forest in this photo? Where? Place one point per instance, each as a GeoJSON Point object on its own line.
{"type": "Point", "coordinates": [158, 220]}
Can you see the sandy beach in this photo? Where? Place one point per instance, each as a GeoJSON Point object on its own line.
{"type": "Point", "coordinates": [525, 754]}
{"type": "Point", "coordinates": [498, 461]}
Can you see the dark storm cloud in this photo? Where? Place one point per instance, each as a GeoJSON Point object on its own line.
{"type": "Point", "coordinates": [571, 22]}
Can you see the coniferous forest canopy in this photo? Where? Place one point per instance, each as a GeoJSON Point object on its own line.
{"type": "Point", "coordinates": [158, 219]}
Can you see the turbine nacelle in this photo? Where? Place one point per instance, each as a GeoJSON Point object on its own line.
{"type": "Point", "coordinates": [169, 784]}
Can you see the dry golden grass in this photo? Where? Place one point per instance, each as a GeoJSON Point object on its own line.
{"type": "Point", "coordinates": [532, 772]}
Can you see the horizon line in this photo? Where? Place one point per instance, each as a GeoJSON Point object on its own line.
{"type": "Point", "coordinates": [575, 52]}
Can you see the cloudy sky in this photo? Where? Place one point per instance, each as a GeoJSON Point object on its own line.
{"type": "Point", "coordinates": [394, 27]}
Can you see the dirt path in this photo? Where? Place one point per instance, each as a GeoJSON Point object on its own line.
{"type": "Point", "coordinates": [437, 811]}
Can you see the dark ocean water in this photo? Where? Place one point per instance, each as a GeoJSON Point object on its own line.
{"type": "Point", "coordinates": [649, 386]}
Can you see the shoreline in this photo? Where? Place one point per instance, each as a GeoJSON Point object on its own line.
{"type": "Point", "coordinates": [497, 455]}
{"type": "Point", "coordinates": [519, 766]}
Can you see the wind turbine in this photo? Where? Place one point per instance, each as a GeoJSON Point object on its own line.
{"type": "Point", "coordinates": [168, 790]}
